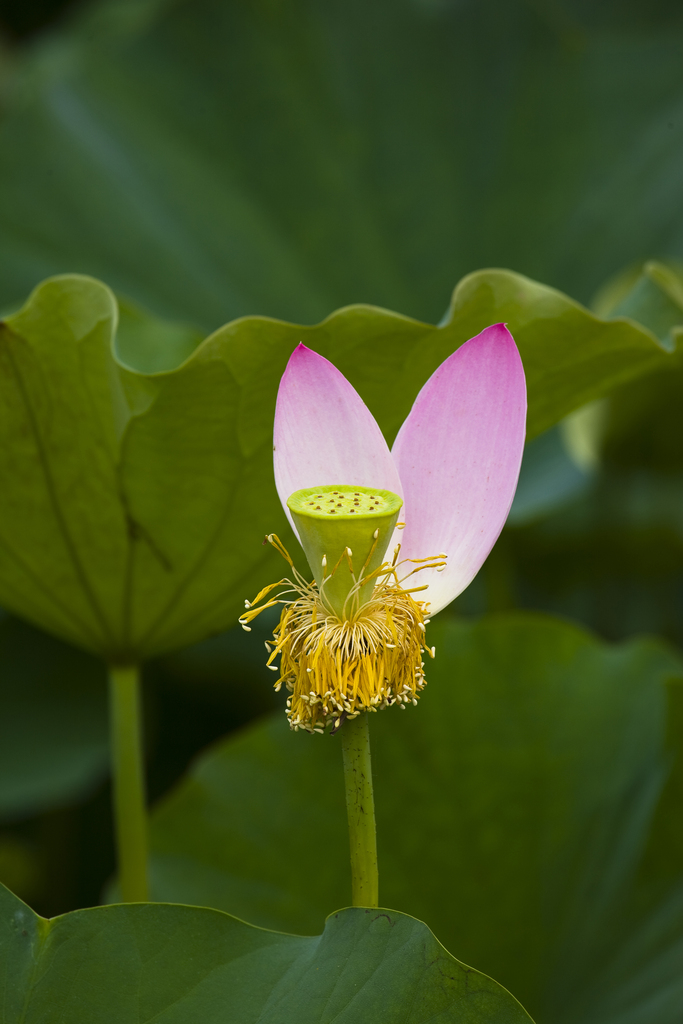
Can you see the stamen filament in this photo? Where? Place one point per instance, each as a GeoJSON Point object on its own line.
{"type": "Point", "coordinates": [335, 668]}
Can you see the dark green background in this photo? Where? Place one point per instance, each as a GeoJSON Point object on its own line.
{"type": "Point", "coordinates": [210, 160]}
{"type": "Point", "coordinates": [215, 159]}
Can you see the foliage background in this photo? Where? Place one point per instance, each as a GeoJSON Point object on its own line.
{"type": "Point", "coordinates": [210, 160]}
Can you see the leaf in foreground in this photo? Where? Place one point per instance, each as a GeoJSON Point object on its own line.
{"type": "Point", "coordinates": [174, 964]}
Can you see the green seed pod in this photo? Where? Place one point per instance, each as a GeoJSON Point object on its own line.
{"type": "Point", "coordinates": [345, 532]}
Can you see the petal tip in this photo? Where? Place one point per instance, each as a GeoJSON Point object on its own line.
{"type": "Point", "coordinates": [303, 356]}
{"type": "Point", "coordinates": [500, 338]}
{"type": "Point", "coordinates": [499, 332]}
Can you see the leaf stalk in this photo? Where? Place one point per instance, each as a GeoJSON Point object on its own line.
{"type": "Point", "coordinates": [130, 812]}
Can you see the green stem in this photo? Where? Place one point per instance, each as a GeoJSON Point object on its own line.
{"type": "Point", "coordinates": [360, 808]}
{"type": "Point", "coordinates": [130, 814]}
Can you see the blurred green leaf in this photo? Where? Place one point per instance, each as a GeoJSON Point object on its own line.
{"type": "Point", "coordinates": [652, 295]}
{"type": "Point", "coordinates": [151, 345]}
{"type": "Point", "coordinates": [642, 426]}
{"type": "Point", "coordinates": [613, 559]}
{"type": "Point", "coordinates": [53, 722]}
{"type": "Point", "coordinates": [20, 867]}
{"type": "Point", "coordinates": [174, 965]}
{"type": "Point", "coordinates": [136, 501]}
{"type": "Point", "coordinates": [548, 479]}
{"type": "Point", "coordinates": [513, 807]}
{"type": "Point", "coordinates": [214, 160]}
{"type": "Point", "coordinates": [613, 556]}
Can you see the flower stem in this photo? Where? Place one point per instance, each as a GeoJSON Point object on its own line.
{"type": "Point", "coordinates": [360, 808]}
{"type": "Point", "coordinates": [130, 815]}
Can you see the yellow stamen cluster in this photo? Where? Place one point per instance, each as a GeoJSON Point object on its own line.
{"type": "Point", "coordinates": [336, 668]}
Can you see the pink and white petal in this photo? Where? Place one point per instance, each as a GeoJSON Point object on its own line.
{"type": "Point", "coordinates": [458, 454]}
{"type": "Point", "coordinates": [324, 433]}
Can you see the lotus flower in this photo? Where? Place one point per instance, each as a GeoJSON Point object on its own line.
{"type": "Point", "coordinates": [354, 639]}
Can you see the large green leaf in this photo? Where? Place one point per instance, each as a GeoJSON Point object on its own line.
{"type": "Point", "coordinates": [53, 721]}
{"type": "Point", "coordinates": [513, 807]}
{"type": "Point", "coordinates": [136, 502]}
{"type": "Point", "coordinates": [176, 965]}
{"type": "Point", "coordinates": [218, 159]}
{"type": "Point", "coordinates": [124, 494]}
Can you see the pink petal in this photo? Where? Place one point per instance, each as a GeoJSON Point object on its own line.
{"type": "Point", "coordinates": [458, 454]}
{"type": "Point", "coordinates": [324, 432]}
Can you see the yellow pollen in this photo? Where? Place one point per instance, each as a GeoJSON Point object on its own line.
{"type": "Point", "coordinates": [337, 668]}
